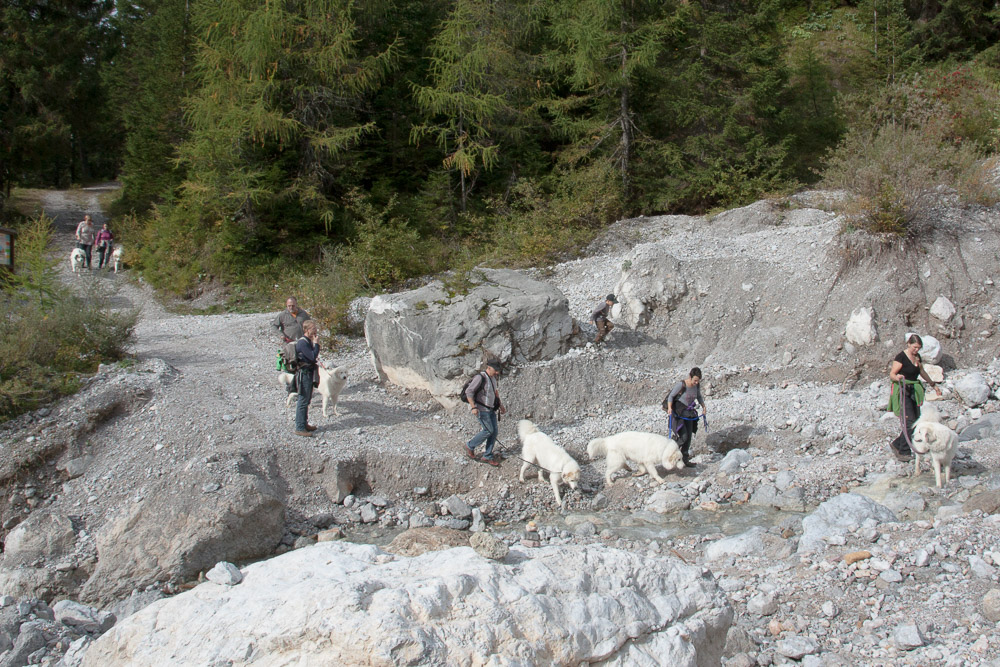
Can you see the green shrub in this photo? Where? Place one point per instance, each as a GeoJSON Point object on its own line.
{"type": "Point", "coordinates": [49, 336]}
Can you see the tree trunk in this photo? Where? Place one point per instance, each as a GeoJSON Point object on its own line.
{"type": "Point", "coordinates": [625, 114]}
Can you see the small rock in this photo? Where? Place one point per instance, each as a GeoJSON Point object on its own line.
{"type": "Point", "coordinates": [891, 577]}
{"type": "Point", "coordinates": [908, 637]}
{"type": "Point", "coordinates": [211, 487]}
{"type": "Point", "coordinates": [229, 419]}
{"type": "Point", "coordinates": [224, 574]}
{"type": "Point", "coordinates": [457, 507]}
{"type": "Point", "coordinates": [990, 605]}
{"type": "Point", "coordinates": [330, 534]}
{"type": "Point", "coordinates": [829, 609]}
{"type": "Point", "coordinates": [368, 513]}
{"type": "Point", "coordinates": [488, 546]}
{"type": "Point", "coordinates": [797, 647]}
{"type": "Point", "coordinates": [856, 556]}
{"type": "Point", "coordinates": [762, 604]}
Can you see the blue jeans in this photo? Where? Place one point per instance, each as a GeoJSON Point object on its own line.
{"type": "Point", "coordinates": [488, 419]}
{"type": "Point", "coordinates": [304, 385]}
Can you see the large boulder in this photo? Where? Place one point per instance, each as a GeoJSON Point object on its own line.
{"type": "Point", "coordinates": [930, 350]}
{"type": "Point", "coordinates": [182, 529]}
{"type": "Point", "coordinates": [839, 515]}
{"type": "Point", "coordinates": [973, 389]}
{"type": "Point", "coordinates": [338, 603]}
{"type": "Point", "coordinates": [43, 534]}
{"type": "Point", "coordinates": [435, 337]}
{"type": "Point", "coordinates": [653, 280]}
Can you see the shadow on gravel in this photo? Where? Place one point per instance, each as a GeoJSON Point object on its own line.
{"type": "Point", "coordinates": [355, 414]}
{"type": "Point", "coordinates": [724, 440]}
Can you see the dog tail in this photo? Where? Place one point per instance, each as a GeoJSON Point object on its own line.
{"type": "Point", "coordinates": [597, 448]}
{"type": "Point", "coordinates": [285, 379]}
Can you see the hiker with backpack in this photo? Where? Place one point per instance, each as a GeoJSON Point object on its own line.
{"type": "Point", "coordinates": [306, 376]}
{"type": "Point", "coordinates": [682, 416]}
{"type": "Point", "coordinates": [289, 322]}
{"type": "Point", "coordinates": [483, 397]}
{"type": "Point", "coordinates": [599, 316]}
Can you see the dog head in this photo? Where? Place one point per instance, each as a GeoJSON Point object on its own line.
{"type": "Point", "coordinates": [922, 438]}
{"type": "Point", "coordinates": [525, 428]}
{"type": "Point", "coordinates": [340, 374]}
{"type": "Point", "coordinates": [672, 458]}
{"type": "Point", "coordinates": [595, 448]}
{"type": "Point", "coordinates": [572, 476]}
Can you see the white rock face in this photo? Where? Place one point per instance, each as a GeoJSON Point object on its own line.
{"type": "Point", "coordinates": [433, 339]}
{"type": "Point", "coordinates": [837, 516]}
{"type": "Point", "coordinates": [943, 309]}
{"type": "Point", "coordinates": [973, 389]}
{"type": "Point", "coordinates": [345, 604]}
{"type": "Point", "coordinates": [653, 280]}
{"type": "Point", "coordinates": [860, 329]}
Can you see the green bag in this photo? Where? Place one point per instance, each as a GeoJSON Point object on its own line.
{"type": "Point", "coordinates": [895, 395]}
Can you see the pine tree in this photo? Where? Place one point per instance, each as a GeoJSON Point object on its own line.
{"type": "Point", "coordinates": [476, 75]}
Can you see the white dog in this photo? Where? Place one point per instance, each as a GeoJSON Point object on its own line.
{"type": "Point", "coordinates": [77, 258]}
{"type": "Point", "coordinates": [330, 385]}
{"type": "Point", "coordinates": [116, 257]}
{"type": "Point", "coordinates": [538, 449]}
{"type": "Point", "coordinates": [932, 437]}
{"type": "Point", "coordinates": [647, 449]}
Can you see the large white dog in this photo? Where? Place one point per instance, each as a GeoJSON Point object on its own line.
{"type": "Point", "coordinates": [539, 449]}
{"type": "Point", "coordinates": [932, 437]}
{"type": "Point", "coordinates": [330, 385]}
{"type": "Point", "coordinates": [116, 257]}
{"type": "Point", "coordinates": [647, 449]}
{"type": "Point", "coordinates": [77, 258]}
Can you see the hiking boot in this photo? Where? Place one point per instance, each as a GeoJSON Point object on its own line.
{"type": "Point", "coordinates": [902, 456]}
{"type": "Point", "coordinates": [304, 434]}
{"type": "Point", "coordinates": [493, 462]}
{"type": "Point", "coordinates": [310, 427]}
{"type": "Point", "coordinates": [470, 453]}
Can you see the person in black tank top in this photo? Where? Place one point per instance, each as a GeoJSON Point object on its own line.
{"type": "Point", "coordinates": [908, 366]}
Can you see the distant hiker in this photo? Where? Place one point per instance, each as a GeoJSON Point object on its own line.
{"type": "Point", "coordinates": [306, 376]}
{"type": "Point", "coordinates": [681, 413]}
{"type": "Point", "coordinates": [599, 317]}
{"type": "Point", "coordinates": [289, 323]}
{"type": "Point", "coordinates": [907, 394]}
{"type": "Point", "coordinates": [483, 397]}
{"type": "Point", "coordinates": [85, 237]}
{"type": "Point", "coordinates": [105, 241]}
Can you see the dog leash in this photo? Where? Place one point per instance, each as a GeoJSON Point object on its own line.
{"type": "Point", "coordinates": [670, 422]}
{"type": "Point", "coordinates": [505, 450]}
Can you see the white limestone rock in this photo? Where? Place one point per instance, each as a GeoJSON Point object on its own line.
{"type": "Point", "coordinates": [943, 309]}
{"type": "Point", "coordinates": [860, 329]}
{"type": "Point", "coordinates": [973, 389]}
{"type": "Point", "coordinates": [342, 603]}
{"type": "Point", "coordinates": [833, 519]}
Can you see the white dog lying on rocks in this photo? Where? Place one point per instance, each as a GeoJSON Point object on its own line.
{"type": "Point", "coordinates": [539, 449]}
{"type": "Point", "coordinates": [932, 437]}
{"type": "Point", "coordinates": [647, 449]}
{"type": "Point", "coordinates": [330, 385]}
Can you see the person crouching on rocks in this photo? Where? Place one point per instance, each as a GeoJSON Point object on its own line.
{"type": "Point", "coordinates": [306, 376]}
{"type": "Point", "coordinates": [681, 413]}
{"type": "Point", "coordinates": [483, 397]}
{"type": "Point", "coordinates": [907, 394]}
{"type": "Point", "coordinates": [599, 316]}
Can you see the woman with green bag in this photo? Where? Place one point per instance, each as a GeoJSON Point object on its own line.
{"type": "Point", "coordinates": [907, 393]}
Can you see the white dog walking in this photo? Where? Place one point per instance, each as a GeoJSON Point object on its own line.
{"type": "Point", "coordinates": [330, 385]}
{"type": "Point", "coordinates": [116, 257]}
{"type": "Point", "coordinates": [539, 449]}
{"type": "Point", "coordinates": [932, 437]}
{"type": "Point", "coordinates": [647, 449]}
{"type": "Point", "coordinates": [77, 259]}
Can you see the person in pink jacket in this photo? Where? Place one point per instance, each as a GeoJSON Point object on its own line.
{"type": "Point", "coordinates": [105, 241]}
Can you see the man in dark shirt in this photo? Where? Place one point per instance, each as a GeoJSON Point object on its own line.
{"type": "Point", "coordinates": [483, 397]}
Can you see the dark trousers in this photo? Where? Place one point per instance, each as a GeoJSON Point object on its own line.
{"type": "Point", "coordinates": [685, 426]}
{"type": "Point", "coordinates": [103, 252]}
{"type": "Point", "coordinates": [603, 329]}
{"type": "Point", "coordinates": [86, 251]}
{"type": "Point", "coordinates": [911, 411]}
{"type": "Point", "coordinates": [304, 385]}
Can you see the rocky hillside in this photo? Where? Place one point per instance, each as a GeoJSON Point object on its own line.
{"type": "Point", "coordinates": [828, 550]}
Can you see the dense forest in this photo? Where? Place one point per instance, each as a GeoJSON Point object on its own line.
{"type": "Point", "coordinates": [343, 147]}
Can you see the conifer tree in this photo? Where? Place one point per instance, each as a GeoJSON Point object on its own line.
{"type": "Point", "coordinates": [476, 77]}
{"type": "Point", "coordinates": [280, 99]}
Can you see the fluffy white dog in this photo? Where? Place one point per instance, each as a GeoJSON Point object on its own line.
{"type": "Point", "coordinates": [77, 258]}
{"type": "Point", "coordinates": [116, 257]}
{"type": "Point", "coordinates": [330, 385]}
{"type": "Point", "coordinates": [932, 437]}
{"type": "Point", "coordinates": [538, 449]}
{"type": "Point", "coordinates": [647, 449]}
